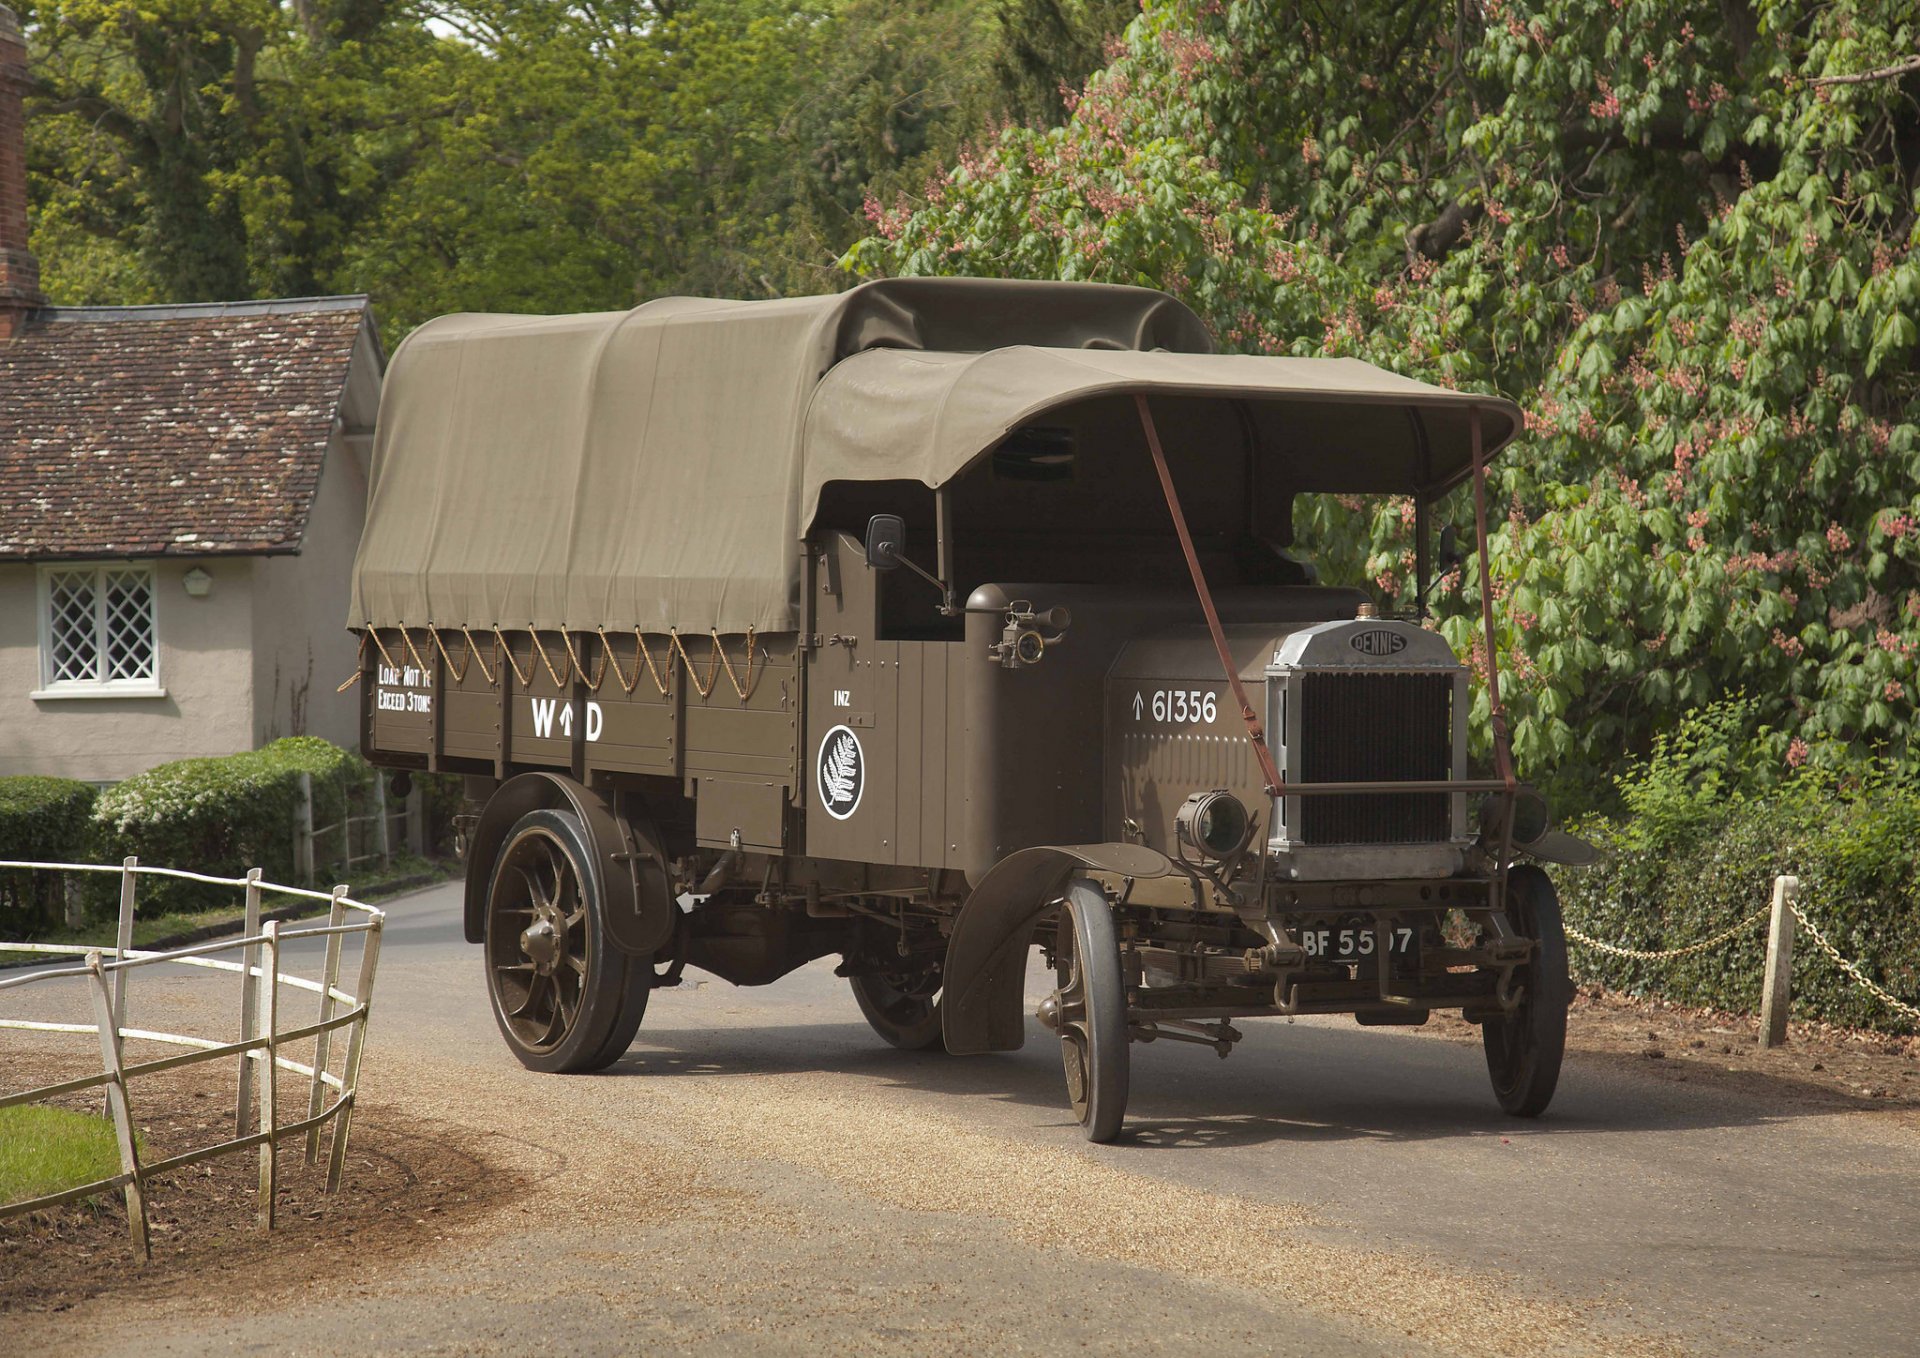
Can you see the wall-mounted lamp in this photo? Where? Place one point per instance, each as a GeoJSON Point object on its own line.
{"type": "Point", "coordinates": [197, 583]}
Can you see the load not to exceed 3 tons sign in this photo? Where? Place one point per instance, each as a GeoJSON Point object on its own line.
{"type": "Point", "coordinates": [402, 688]}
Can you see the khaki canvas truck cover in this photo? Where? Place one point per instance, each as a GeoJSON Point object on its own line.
{"type": "Point", "coordinates": [655, 468]}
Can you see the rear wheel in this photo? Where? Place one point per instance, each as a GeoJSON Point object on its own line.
{"type": "Point", "coordinates": [1088, 1009]}
{"type": "Point", "coordinates": [1525, 1047]}
{"type": "Point", "coordinates": [904, 1010]}
{"type": "Point", "coordinates": [565, 998]}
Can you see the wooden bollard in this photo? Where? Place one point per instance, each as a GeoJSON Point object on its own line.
{"type": "Point", "coordinates": [1778, 987]}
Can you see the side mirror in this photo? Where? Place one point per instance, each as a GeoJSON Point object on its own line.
{"type": "Point", "coordinates": [1450, 553]}
{"type": "Point", "coordinates": [886, 539]}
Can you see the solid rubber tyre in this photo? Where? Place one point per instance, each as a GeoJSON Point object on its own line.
{"type": "Point", "coordinates": [1090, 1004]}
{"type": "Point", "coordinates": [904, 1018]}
{"type": "Point", "coordinates": [1525, 1048]}
{"type": "Point", "coordinates": [565, 999]}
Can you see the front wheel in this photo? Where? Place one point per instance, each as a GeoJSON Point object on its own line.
{"type": "Point", "coordinates": [1525, 1047]}
{"type": "Point", "coordinates": [1088, 1009]}
{"type": "Point", "coordinates": [565, 998]}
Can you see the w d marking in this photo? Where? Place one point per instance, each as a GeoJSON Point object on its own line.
{"type": "Point", "coordinates": [543, 718]}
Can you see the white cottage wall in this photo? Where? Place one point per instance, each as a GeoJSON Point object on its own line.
{"type": "Point", "coordinates": [302, 650]}
{"type": "Point", "coordinates": [206, 669]}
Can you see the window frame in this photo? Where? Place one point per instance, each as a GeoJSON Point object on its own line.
{"type": "Point", "coordinates": [147, 686]}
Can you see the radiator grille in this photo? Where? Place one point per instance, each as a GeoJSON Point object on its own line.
{"type": "Point", "coordinates": [1360, 727]}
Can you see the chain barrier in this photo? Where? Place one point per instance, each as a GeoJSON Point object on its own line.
{"type": "Point", "coordinates": [1897, 1005]}
{"type": "Point", "coordinates": [1825, 945]}
{"type": "Point", "coordinates": [1662, 954]}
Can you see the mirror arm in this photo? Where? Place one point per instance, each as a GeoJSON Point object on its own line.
{"type": "Point", "coordinates": [932, 579]}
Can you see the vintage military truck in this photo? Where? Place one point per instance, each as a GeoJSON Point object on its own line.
{"type": "Point", "coordinates": [925, 623]}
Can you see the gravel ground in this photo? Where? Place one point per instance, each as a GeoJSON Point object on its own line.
{"type": "Point", "coordinates": [759, 1175]}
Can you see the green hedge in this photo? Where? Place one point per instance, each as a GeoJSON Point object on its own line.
{"type": "Point", "coordinates": [223, 815]}
{"type": "Point", "coordinates": [1671, 880]}
{"type": "Point", "coordinates": [45, 819]}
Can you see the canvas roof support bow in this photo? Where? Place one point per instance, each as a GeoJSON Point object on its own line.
{"type": "Point", "coordinates": [1276, 785]}
{"type": "Point", "coordinates": [1502, 733]}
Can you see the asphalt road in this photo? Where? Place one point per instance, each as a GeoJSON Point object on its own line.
{"type": "Point", "coordinates": [761, 1175]}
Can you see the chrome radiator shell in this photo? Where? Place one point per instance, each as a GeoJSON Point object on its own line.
{"type": "Point", "coordinates": [1367, 700]}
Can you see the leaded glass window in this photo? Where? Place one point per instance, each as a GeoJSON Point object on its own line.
{"type": "Point", "coordinates": [99, 626]}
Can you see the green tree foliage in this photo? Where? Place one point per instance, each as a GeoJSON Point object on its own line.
{"type": "Point", "coordinates": [1681, 235]}
{"type": "Point", "coordinates": [484, 154]}
{"type": "Point", "coordinates": [1048, 48]}
{"type": "Point", "coordinates": [202, 149]}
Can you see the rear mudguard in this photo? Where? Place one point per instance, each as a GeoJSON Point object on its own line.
{"type": "Point", "coordinates": [640, 911]}
{"type": "Point", "coordinates": [986, 969]}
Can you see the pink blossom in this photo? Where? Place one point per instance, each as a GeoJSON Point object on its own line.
{"type": "Point", "coordinates": [1697, 518]}
{"type": "Point", "coordinates": [1788, 597]}
{"type": "Point", "coordinates": [1608, 104]}
{"type": "Point", "coordinates": [1894, 691]}
{"type": "Point", "coordinates": [1896, 525]}
{"type": "Point", "coordinates": [1837, 538]}
{"type": "Point", "coordinates": [1796, 753]}
{"type": "Point", "coordinates": [1789, 646]}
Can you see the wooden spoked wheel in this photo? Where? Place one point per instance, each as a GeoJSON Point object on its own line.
{"type": "Point", "coordinates": [1088, 1010]}
{"type": "Point", "coordinates": [904, 1010]}
{"type": "Point", "coordinates": [1525, 1046]}
{"type": "Point", "coordinates": [565, 999]}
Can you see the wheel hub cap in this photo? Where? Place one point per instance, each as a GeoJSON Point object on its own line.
{"type": "Point", "coordinates": [540, 941]}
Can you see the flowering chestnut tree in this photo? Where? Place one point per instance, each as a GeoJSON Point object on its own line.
{"type": "Point", "coordinates": [1680, 234]}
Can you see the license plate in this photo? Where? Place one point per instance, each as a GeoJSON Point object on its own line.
{"type": "Point", "coordinates": [1357, 941]}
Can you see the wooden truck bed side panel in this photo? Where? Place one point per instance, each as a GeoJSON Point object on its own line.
{"type": "Point", "coordinates": [505, 704]}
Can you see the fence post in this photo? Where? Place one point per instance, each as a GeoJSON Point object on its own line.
{"type": "Point", "coordinates": [417, 821]}
{"type": "Point", "coordinates": [329, 978]}
{"type": "Point", "coordinates": [303, 831]}
{"type": "Point", "coordinates": [356, 1046]}
{"type": "Point", "coordinates": [269, 1072]}
{"type": "Point", "coordinates": [110, 1025]}
{"type": "Point", "coordinates": [75, 902]}
{"type": "Point", "coordinates": [123, 940]}
{"type": "Point", "coordinates": [249, 988]}
{"type": "Point", "coordinates": [1778, 988]}
{"type": "Point", "coordinates": [383, 840]}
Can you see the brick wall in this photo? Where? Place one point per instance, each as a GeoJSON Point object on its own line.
{"type": "Point", "coordinates": [19, 271]}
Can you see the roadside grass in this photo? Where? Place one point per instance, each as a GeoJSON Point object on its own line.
{"type": "Point", "coordinates": [149, 929]}
{"type": "Point", "coordinates": [48, 1150]}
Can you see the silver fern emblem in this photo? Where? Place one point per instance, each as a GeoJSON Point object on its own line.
{"type": "Point", "coordinates": [840, 770]}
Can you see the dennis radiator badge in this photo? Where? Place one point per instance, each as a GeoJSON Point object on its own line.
{"type": "Point", "coordinates": [1377, 641]}
{"type": "Point", "coordinates": [842, 772]}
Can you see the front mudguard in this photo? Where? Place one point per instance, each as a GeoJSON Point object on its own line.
{"type": "Point", "coordinates": [986, 969]}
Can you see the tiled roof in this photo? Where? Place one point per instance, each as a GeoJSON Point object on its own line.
{"type": "Point", "coordinates": [171, 430]}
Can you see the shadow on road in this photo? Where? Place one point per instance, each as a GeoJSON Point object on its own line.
{"type": "Point", "coordinates": [1285, 1084]}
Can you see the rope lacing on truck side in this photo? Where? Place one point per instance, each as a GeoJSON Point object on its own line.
{"type": "Point", "coordinates": [718, 662]}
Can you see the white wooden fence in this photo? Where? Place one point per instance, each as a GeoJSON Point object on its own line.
{"type": "Point", "coordinates": [257, 1053]}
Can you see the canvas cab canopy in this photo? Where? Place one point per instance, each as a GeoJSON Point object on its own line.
{"type": "Point", "coordinates": [658, 468]}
